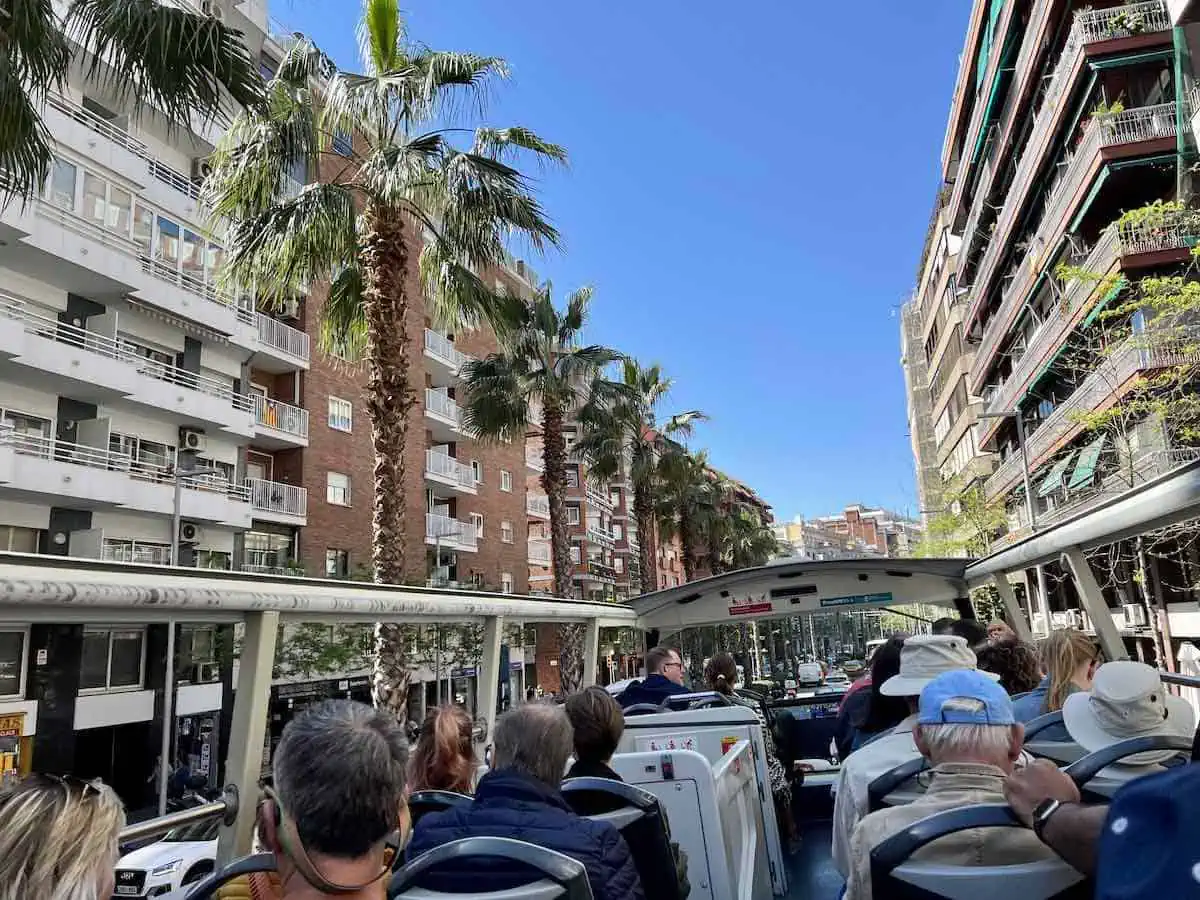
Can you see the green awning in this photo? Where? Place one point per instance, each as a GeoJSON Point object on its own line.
{"type": "Point", "coordinates": [1053, 481]}
{"type": "Point", "coordinates": [1086, 467]}
{"type": "Point", "coordinates": [1131, 59]}
{"type": "Point", "coordinates": [985, 44]}
{"type": "Point", "coordinates": [1003, 71]}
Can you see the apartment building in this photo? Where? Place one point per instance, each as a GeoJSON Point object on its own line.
{"type": "Point", "coordinates": [807, 540]}
{"type": "Point", "coordinates": [871, 531]}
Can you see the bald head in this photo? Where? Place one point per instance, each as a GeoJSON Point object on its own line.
{"type": "Point", "coordinates": [536, 740]}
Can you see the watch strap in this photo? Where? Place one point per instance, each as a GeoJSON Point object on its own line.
{"type": "Point", "coordinates": [1042, 814]}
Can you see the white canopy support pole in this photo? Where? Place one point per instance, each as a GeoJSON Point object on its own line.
{"type": "Point", "coordinates": [1093, 603]}
{"type": "Point", "coordinates": [487, 677]}
{"type": "Point", "coordinates": [1019, 623]}
{"type": "Point", "coordinates": [248, 730]}
{"type": "Point", "coordinates": [591, 651]}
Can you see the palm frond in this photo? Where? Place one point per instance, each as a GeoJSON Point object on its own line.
{"type": "Point", "coordinates": [343, 325]}
{"type": "Point", "coordinates": [380, 36]}
{"type": "Point", "coordinates": [504, 143]}
{"type": "Point", "coordinates": [157, 55]}
{"type": "Point", "coordinates": [444, 70]}
{"type": "Point", "coordinates": [575, 316]}
{"type": "Point", "coordinates": [457, 298]}
{"type": "Point", "coordinates": [682, 424]}
{"type": "Point", "coordinates": [581, 363]}
{"type": "Point", "coordinates": [496, 406]}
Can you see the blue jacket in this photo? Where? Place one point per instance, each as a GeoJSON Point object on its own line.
{"type": "Point", "coordinates": [1032, 705]}
{"type": "Point", "coordinates": [509, 804]}
{"type": "Point", "coordinates": [653, 689]}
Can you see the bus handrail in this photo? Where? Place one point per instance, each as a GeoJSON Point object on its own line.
{"type": "Point", "coordinates": [1192, 681]}
{"type": "Point", "coordinates": [225, 809]}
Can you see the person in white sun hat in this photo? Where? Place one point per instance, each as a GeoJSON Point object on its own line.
{"type": "Point", "coordinates": [1127, 700]}
{"type": "Point", "coordinates": [922, 659]}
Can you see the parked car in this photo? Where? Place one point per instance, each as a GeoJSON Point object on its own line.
{"type": "Point", "coordinates": [810, 673]}
{"type": "Point", "coordinates": [182, 857]}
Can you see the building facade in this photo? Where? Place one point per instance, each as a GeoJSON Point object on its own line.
{"type": "Point", "coordinates": [863, 530]}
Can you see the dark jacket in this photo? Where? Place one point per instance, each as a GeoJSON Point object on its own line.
{"type": "Point", "coordinates": [582, 769]}
{"type": "Point", "coordinates": [653, 689]}
{"type": "Point", "coordinates": [509, 804]}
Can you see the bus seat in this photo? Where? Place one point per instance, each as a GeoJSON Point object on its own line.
{"type": "Point", "coordinates": [641, 709]}
{"type": "Point", "coordinates": [207, 888]}
{"type": "Point", "coordinates": [638, 815]}
{"type": "Point", "coordinates": [696, 700]}
{"type": "Point", "coordinates": [898, 877]}
{"type": "Point", "coordinates": [1037, 725]}
{"type": "Point", "coordinates": [1037, 742]}
{"type": "Point", "coordinates": [421, 803]}
{"type": "Point", "coordinates": [884, 790]}
{"type": "Point", "coordinates": [561, 877]}
{"type": "Point", "coordinates": [1089, 772]}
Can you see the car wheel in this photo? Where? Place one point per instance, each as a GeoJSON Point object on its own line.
{"type": "Point", "coordinates": [198, 871]}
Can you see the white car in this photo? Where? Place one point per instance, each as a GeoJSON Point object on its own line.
{"type": "Point", "coordinates": [183, 856]}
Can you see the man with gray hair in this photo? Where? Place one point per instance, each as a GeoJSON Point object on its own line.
{"type": "Point", "coordinates": [338, 793]}
{"type": "Point", "coordinates": [966, 729]}
{"type": "Point", "coordinates": [519, 798]}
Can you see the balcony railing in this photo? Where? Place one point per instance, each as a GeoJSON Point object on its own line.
{"type": "Point", "coordinates": [598, 496]}
{"type": "Point", "coordinates": [439, 404]}
{"type": "Point", "coordinates": [537, 505]}
{"type": "Point", "coordinates": [17, 310]}
{"type": "Point", "coordinates": [102, 127]}
{"type": "Point", "coordinates": [1174, 231]}
{"type": "Point", "coordinates": [283, 337]}
{"type": "Point", "coordinates": [595, 571]}
{"type": "Point", "coordinates": [442, 465]}
{"type": "Point", "coordinates": [539, 552]}
{"type": "Point", "coordinates": [600, 536]}
{"type": "Point", "coordinates": [281, 416]}
{"type": "Point", "coordinates": [146, 554]}
{"type": "Point", "coordinates": [450, 532]}
{"type": "Point", "coordinates": [533, 459]}
{"type": "Point", "coordinates": [276, 497]}
{"type": "Point", "coordinates": [443, 348]}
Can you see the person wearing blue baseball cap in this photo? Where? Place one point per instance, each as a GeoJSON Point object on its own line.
{"type": "Point", "coordinates": [966, 729]}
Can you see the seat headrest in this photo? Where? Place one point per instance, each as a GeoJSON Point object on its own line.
{"type": "Point", "coordinates": [565, 874]}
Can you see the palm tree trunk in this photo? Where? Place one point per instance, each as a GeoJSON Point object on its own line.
{"type": "Point", "coordinates": [643, 514]}
{"type": "Point", "coordinates": [385, 261]}
{"type": "Point", "coordinates": [554, 483]}
{"type": "Point", "coordinates": [688, 540]}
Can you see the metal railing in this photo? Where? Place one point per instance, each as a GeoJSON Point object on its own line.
{"type": "Point", "coordinates": [1122, 21]}
{"type": "Point", "coordinates": [44, 326]}
{"type": "Point", "coordinates": [534, 461]}
{"type": "Point", "coordinates": [600, 536]}
{"type": "Point", "coordinates": [450, 532]}
{"type": "Point", "coordinates": [537, 505]}
{"type": "Point", "coordinates": [281, 336]}
{"type": "Point", "coordinates": [281, 416]}
{"type": "Point", "coordinates": [539, 552]}
{"type": "Point", "coordinates": [101, 126]}
{"type": "Point", "coordinates": [224, 809]}
{"type": "Point", "coordinates": [438, 404]}
{"type": "Point", "coordinates": [445, 466]}
{"type": "Point", "coordinates": [166, 271]}
{"type": "Point", "coordinates": [1175, 231]}
{"type": "Point", "coordinates": [441, 347]}
{"type": "Point", "coordinates": [123, 551]}
{"type": "Point", "coordinates": [598, 496]}
{"type": "Point", "coordinates": [276, 497]}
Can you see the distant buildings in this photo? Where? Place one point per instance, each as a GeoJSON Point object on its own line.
{"type": "Point", "coordinates": [859, 531]}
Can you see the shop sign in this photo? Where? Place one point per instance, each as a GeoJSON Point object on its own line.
{"type": "Point", "coordinates": [750, 606]}
{"type": "Point", "coordinates": [12, 726]}
{"type": "Point", "coordinates": [858, 599]}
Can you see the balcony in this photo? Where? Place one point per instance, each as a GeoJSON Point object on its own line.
{"type": "Point", "coordinates": [273, 501]}
{"type": "Point", "coordinates": [42, 469]}
{"type": "Point", "coordinates": [1109, 379]}
{"type": "Point", "coordinates": [537, 506]}
{"type": "Point", "coordinates": [98, 367]}
{"type": "Point", "coordinates": [1089, 27]}
{"type": "Point", "coordinates": [598, 494]}
{"type": "Point", "coordinates": [450, 534]}
{"type": "Point", "coordinates": [600, 536]}
{"type": "Point", "coordinates": [539, 552]}
{"type": "Point", "coordinates": [533, 460]}
{"type": "Point", "coordinates": [443, 415]}
{"type": "Point", "coordinates": [136, 552]}
{"type": "Point", "coordinates": [447, 359]}
{"type": "Point", "coordinates": [596, 571]}
{"type": "Point", "coordinates": [1116, 133]}
{"type": "Point", "coordinates": [279, 425]}
{"type": "Point", "coordinates": [281, 348]}
{"type": "Point", "coordinates": [443, 469]}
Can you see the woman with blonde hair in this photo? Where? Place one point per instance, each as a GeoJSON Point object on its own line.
{"type": "Point", "coordinates": [58, 839]}
{"type": "Point", "coordinates": [444, 758]}
{"type": "Point", "coordinates": [1069, 658]}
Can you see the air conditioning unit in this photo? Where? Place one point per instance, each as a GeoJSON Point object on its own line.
{"type": "Point", "coordinates": [203, 673]}
{"type": "Point", "coordinates": [189, 533]}
{"type": "Point", "coordinates": [1135, 615]}
{"type": "Point", "coordinates": [290, 308]}
{"type": "Point", "coordinates": [201, 169]}
{"type": "Point", "coordinates": [190, 439]}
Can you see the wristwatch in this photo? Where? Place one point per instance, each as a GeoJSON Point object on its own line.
{"type": "Point", "coordinates": [1042, 813]}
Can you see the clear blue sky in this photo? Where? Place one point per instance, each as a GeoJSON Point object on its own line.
{"type": "Point", "coordinates": [748, 193]}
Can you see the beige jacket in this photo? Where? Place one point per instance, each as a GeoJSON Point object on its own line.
{"type": "Point", "coordinates": [952, 785]}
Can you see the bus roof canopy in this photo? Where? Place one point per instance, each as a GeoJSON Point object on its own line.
{"type": "Point", "coordinates": [788, 587]}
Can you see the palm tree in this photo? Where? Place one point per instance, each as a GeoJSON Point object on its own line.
{"type": "Point", "coordinates": [686, 505]}
{"type": "Point", "coordinates": [542, 364]}
{"type": "Point", "coordinates": [144, 52]}
{"type": "Point", "coordinates": [630, 433]}
{"type": "Point", "coordinates": [390, 176]}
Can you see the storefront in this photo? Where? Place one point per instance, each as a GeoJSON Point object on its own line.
{"type": "Point", "coordinates": [14, 751]}
{"type": "Point", "coordinates": [289, 699]}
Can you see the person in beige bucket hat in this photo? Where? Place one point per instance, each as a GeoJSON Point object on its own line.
{"type": "Point", "coordinates": [925, 657]}
{"type": "Point", "coordinates": [1127, 700]}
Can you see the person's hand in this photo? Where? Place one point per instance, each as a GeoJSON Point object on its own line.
{"type": "Point", "coordinates": [1027, 787]}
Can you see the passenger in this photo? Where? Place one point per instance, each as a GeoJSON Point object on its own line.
{"type": "Point", "coordinates": [519, 798]}
{"type": "Point", "coordinates": [966, 730]}
{"type": "Point", "coordinates": [1015, 662]}
{"type": "Point", "coordinates": [444, 758]}
{"type": "Point", "coordinates": [922, 658]}
{"type": "Point", "coordinates": [338, 793]}
{"type": "Point", "coordinates": [970, 630]}
{"type": "Point", "coordinates": [1069, 659]}
{"type": "Point", "coordinates": [720, 674]}
{"type": "Point", "coordinates": [1127, 701]}
{"type": "Point", "coordinates": [664, 678]}
{"type": "Point", "coordinates": [877, 713]}
{"type": "Point", "coordinates": [597, 724]}
{"type": "Point", "coordinates": [999, 631]}
{"type": "Point", "coordinates": [58, 839]}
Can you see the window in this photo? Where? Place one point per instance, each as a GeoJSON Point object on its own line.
{"type": "Point", "coordinates": [342, 144]}
{"type": "Point", "coordinates": [111, 659]}
{"type": "Point", "coordinates": [341, 414]}
{"type": "Point", "coordinates": [337, 489]}
{"type": "Point", "coordinates": [572, 478]}
{"type": "Point", "coordinates": [506, 583]}
{"type": "Point", "coordinates": [618, 564]}
{"type": "Point", "coordinates": [12, 663]}
{"type": "Point", "coordinates": [197, 644]}
{"type": "Point", "coordinates": [506, 532]}
{"type": "Point", "coordinates": [614, 496]}
{"type": "Point", "coordinates": [477, 522]}
{"type": "Point", "coordinates": [477, 471]}
{"type": "Point", "coordinates": [618, 531]}
{"type": "Point", "coordinates": [572, 515]}
{"type": "Point", "coordinates": [62, 184]}
{"type": "Point", "coordinates": [506, 480]}
{"type": "Point", "coordinates": [15, 539]}
{"type": "Point", "coordinates": [337, 563]}
{"type": "Point", "coordinates": [137, 551]}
